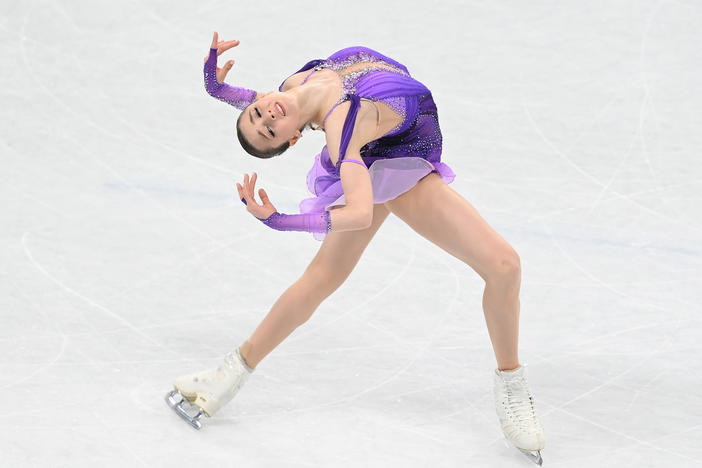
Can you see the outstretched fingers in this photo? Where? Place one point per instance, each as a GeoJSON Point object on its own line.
{"type": "Point", "coordinates": [253, 184]}
{"type": "Point", "coordinates": [222, 46]}
{"type": "Point", "coordinates": [226, 45]}
{"type": "Point", "coordinates": [248, 188]}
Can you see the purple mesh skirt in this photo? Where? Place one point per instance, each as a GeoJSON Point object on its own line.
{"type": "Point", "coordinates": [395, 163]}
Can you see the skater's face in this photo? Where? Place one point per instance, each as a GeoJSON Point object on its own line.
{"type": "Point", "coordinates": [271, 121]}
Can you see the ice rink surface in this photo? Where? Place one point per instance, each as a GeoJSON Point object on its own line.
{"type": "Point", "coordinates": [127, 259]}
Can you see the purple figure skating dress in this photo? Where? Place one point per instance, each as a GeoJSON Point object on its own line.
{"type": "Point", "coordinates": [395, 162]}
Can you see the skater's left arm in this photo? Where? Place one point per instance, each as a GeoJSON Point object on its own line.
{"type": "Point", "coordinates": [214, 77]}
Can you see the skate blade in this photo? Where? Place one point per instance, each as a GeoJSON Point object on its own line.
{"type": "Point", "coordinates": [175, 401]}
{"type": "Point", "coordinates": [533, 456]}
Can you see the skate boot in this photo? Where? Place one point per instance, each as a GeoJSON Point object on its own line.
{"type": "Point", "coordinates": [206, 392]}
{"type": "Point", "coordinates": [515, 408]}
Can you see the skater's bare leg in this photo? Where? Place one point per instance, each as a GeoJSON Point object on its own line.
{"type": "Point", "coordinates": [438, 213]}
{"type": "Point", "coordinates": [333, 263]}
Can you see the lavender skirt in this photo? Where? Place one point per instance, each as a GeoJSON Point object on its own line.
{"type": "Point", "coordinates": [395, 164]}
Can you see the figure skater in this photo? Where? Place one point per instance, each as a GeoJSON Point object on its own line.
{"type": "Point", "coordinates": [376, 116]}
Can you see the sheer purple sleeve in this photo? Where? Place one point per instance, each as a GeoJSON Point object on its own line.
{"type": "Point", "coordinates": [237, 97]}
{"type": "Point", "coordinates": [309, 222]}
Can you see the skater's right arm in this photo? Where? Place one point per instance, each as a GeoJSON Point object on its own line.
{"type": "Point", "coordinates": [214, 77]}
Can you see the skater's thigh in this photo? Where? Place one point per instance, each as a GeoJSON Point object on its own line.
{"type": "Point", "coordinates": [437, 212]}
{"type": "Point", "coordinates": [341, 250]}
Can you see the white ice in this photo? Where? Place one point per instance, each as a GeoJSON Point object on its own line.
{"type": "Point", "coordinates": [127, 259]}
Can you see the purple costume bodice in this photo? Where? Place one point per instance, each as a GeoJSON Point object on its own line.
{"type": "Point", "coordinates": [397, 160]}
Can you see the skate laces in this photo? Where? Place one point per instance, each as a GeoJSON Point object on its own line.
{"type": "Point", "coordinates": [521, 403]}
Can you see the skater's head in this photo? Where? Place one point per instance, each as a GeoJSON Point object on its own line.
{"type": "Point", "coordinates": [269, 125]}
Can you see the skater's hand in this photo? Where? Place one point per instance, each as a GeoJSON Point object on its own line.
{"type": "Point", "coordinates": [247, 193]}
{"type": "Point", "coordinates": [222, 46]}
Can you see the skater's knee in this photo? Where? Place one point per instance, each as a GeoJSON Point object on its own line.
{"type": "Point", "coordinates": [505, 267]}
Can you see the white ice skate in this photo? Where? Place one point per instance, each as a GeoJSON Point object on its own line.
{"type": "Point", "coordinates": [515, 408]}
{"type": "Point", "coordinates": [206, 392]}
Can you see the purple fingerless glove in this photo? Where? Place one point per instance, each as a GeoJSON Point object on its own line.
{"type": "Point", "coordinates": [237, 97]}
{"type": "Point", "coordinates": [308, 222]}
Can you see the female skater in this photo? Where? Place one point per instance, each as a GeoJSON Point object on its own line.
{"type": "Point", "coordinates": [384, 122]}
